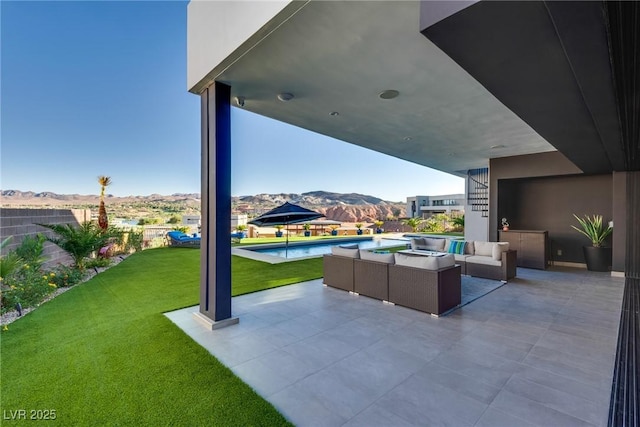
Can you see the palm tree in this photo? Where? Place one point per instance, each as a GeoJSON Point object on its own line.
{"type": "Point", "coordinates": [414, 223]}
{"type": "Point", "coordinates": [458, 222]}
{"type": "Point", "coordinates": [79, 242]}
{"type": "Point", "coordinates": [103, 221]}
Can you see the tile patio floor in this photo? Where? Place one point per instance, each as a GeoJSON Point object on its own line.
{"type": "Point", "coordinates": [537, 351]}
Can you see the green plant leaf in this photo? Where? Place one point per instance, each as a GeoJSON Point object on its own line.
{"type": "Point", "coordinates": [592, 227]}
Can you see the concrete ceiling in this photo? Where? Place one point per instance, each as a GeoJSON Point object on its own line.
{"type": "Point", "coordinates": [339, 56]}
{"type": "Point", "coordinates": [550, 63]}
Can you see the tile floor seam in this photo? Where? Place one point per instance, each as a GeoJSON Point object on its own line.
{"type": "Point", "coordinates": [546, 405]}
{"type": "Point", "coordinates": [503, 412]}
{"type": "Point", "coordinates": [374, 403]}
{"type": "Point", "coordinates": [565, 376]}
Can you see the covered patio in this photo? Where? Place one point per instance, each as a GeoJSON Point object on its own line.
{"type": "Point", "coordinates": [534, 103]}
{"type": "Point", "coordinates": [538, 351]}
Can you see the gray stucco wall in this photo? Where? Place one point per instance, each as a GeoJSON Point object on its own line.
{"type": "Point", "coordinates": [21, 222]}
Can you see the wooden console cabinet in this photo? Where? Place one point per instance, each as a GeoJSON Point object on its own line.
{"type": "Point", "coordinates": [532, 246]}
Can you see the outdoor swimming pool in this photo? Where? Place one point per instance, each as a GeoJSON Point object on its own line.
{"type": "Point", "coordinates": [318, 248]}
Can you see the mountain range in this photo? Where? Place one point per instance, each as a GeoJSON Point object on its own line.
{"type": "Point", "coordinates": [351, 207]}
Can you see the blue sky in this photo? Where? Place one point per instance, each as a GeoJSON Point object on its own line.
{"type": "Point", "coordinates": [92, 88]}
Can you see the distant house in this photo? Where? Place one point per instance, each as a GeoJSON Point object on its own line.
{"type": "Point", "coordinates": [239, 219]}
{"type": "Point", "coordinates": [426, 206]}
{"type": "Point", "coordinates": [191, 219]}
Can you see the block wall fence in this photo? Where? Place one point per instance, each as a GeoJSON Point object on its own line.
{"type": "Point", "coordinates": [21, 222]}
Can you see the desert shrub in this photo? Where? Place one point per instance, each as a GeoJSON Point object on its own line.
{"type": "Point", "coordinates": [97, 263]}
{"type": "Point", "coordinates": [414, 223]}
{"type": "Point", "coordinates": [31, 250]}
{"type": "Point", "coordinates": [27, 286]}
{"type": "Point", "coordinates": [134, 242]}
{"type": "Point", "coordinates": [183, 228]}
{"type": "Point", "coordinates": [65, 276]}
{"type": "Point", "coordinates": [175, 219]}
{"type": "Point", "coordinates": [149, 221]}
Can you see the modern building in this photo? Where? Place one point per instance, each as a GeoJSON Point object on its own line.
{"type": "Point", "coordinates": [238, 219]}
{"type": "Point", "coordinates": [534, 103]}
{"type": "Point", "coordinates": [426, 206]}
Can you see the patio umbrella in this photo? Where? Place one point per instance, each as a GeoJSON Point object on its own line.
{"type": "Point", "coordinates": [285, 214]}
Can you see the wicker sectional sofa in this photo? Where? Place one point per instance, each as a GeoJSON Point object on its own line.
{"type": "Point", "coordinates": [429, 284]}
{"type": "Point", "coordinates": [490, 260]}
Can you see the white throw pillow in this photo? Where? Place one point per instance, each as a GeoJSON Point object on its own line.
{"type": "Point", "coordinates": [349, 253]}
{"type": "Point", "coordinates": [434, 244]}
{"type": "Point", "coordinates": [372, 256]}
{"type": "Point", "coordinates": [417, 242]}
{"type": "Point", "coordinates": [469, 249]}
{"type": "Point", "coordinates": [498, 248]}
{"type": "Point", "coordinates": [483, 248]}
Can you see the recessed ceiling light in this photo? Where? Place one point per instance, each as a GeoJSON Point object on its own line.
{"type": "Point", "coordinates": [334, 113]}
{"type": "Point", "coordinates": [407, 138]}
{"type": "Point", "coordinates": [493, 147]}
{"type": "Point", "coordinates": [285, 96]}
{"type": "Point", "coordinates": [389, 94]}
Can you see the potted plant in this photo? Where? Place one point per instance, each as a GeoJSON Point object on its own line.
{"type": "Point", "coordinates": [334, 230]}
{"type": "Point", "coordinates": [279, 230]}
{"type": "Point", "coordinates": [598, 257]}
{"type": "Point", "coordinates": [359, 227]}
{"type": "Point", "coordinates": [307, 228]}
{"type": "Point", "coordinates": [505, 224]}
{"type": "Point", "coordinates": [378, 225]}
{"type": "Point", "coordinates": [242, 229]}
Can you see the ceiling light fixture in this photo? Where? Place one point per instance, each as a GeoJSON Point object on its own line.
{"type": "Point", "coordinates": [389, 94]}
{"type": "Point", "coordinates": [493, 147]}
{"type": "Point", "coordinates": [240, 101]}
{"type": "Point", "coordinates": [334, 113]}
{"type": "Point", "coordinates": [407, 138]}
{"type": "Point", "coordinates": [285, 96]}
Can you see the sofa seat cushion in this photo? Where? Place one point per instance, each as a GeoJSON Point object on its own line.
{"type": "Point", "coordinates": [460, 257]}
{"type": "Point", "coordinates": [426, 262]}
{"type": "Point", "coordinates": [481, 259]}
{"type": "Point", "coordinates": [372, 256]}
{"type": "Point", "coordinates": [345, 252]}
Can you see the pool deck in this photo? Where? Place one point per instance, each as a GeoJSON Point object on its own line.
{"type": "Point", "coordinates": [538, 351]}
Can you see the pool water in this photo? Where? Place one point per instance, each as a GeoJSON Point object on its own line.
{"type": "Point", "coordinates": [323, 247]}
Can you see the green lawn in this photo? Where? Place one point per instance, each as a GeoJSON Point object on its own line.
{"type": "Point", "coordinates": [104, 354]}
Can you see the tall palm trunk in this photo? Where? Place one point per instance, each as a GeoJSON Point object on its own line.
{"type": "Point", "coordinates": [103, 220]}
